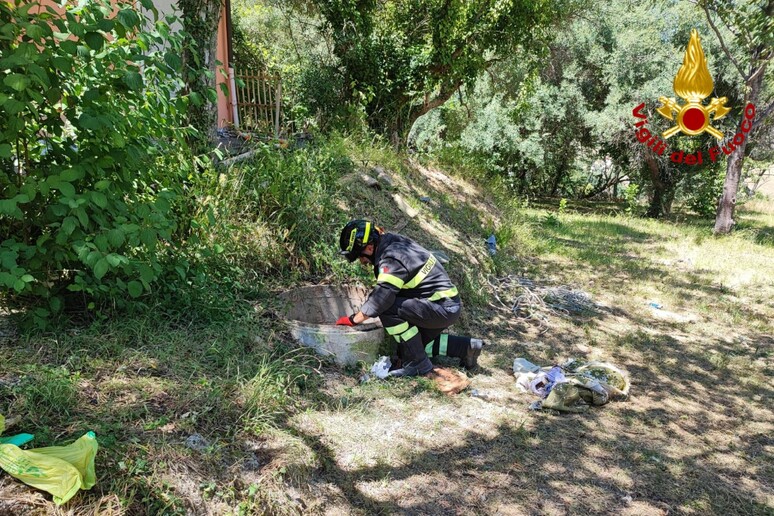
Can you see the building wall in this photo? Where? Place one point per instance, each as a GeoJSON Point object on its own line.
{"type": "Point", "coordinates": [225, 116]}
{"type": "Point", "coordinates": [225, 112]}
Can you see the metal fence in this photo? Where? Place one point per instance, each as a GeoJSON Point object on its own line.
{"type": "Point", "coordinates": [259, 101]}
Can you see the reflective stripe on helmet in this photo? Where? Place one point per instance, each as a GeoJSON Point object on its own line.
{"type": "Point", "coordinates": [352, 236]}
{"type": "Point", "coordinates": [367, 233]}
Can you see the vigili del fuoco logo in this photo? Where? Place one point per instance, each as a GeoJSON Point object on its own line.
{"type": "Point", "coordinates": [693, 83]}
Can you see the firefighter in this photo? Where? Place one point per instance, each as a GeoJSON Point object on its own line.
{"type": "Point", "coordinates": [414, 298]}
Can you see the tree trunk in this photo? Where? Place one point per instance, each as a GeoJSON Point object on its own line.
{"type": "Point", "coordinates": [661, 202]}
{"type": "Point", "coordinates": [401, 126]}
{"type": "Point", "coordinates": [724, 219]}
{"type": "Point", "coordinates": [558, 178]}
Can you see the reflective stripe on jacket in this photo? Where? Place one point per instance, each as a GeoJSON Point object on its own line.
{"type": "Point", "coordinates": [404, 268]}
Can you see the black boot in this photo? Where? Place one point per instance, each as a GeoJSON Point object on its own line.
{"type": "Point", "coordinates": [470, 360]}
{"type": "Point", "coordinates": [421, 367]}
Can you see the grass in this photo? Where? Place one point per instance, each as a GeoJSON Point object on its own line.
{"type": "Point", "coordinates": [284, 433]}
{"type": "Point", "coordinates": [144, 387]}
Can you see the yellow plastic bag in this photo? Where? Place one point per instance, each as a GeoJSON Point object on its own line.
{"type": "Point", "coordinates": [58, 477]}
{"type": "Point", "coordinates": [80, 454]}
{"type": "Point", "coordinates": [59, 470]}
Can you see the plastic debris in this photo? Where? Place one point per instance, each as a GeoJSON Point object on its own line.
{"type": "Point", "coordinates": [656, 305]}
{"type": "Point", "coordinates": [424, 199]}
{"type": "Point", "coordinates": [538, 384]}
{"type": "Point", "coordinates": [523, 381]}
{"type": "Point", "coordinates": [17, 440]}
{"type": "Point", "coordinates": [58, 470]}
{"type": "Point", "coordinates": [491, 244]}
{"type": "Point", "coordinates": [575, 386]}
{"type": "Point", "coordinates": [381, 367]}
{"type": "Point", "coordinates": [522, 365]}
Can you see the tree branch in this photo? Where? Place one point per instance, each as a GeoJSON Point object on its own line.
{"type": "Point", "coordinates": [760, 69]}
{"type": "Point", "coordinates": [722, 43]}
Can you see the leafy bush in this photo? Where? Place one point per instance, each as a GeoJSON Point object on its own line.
{"type": "Point", "coordinates": [288, 199]}
{"type": "Point", "coordinates": [631, 193]}
{"type": "Point", "coordinates": [93, 164]}
{"type": "Point", "coordinates": [704, 190]}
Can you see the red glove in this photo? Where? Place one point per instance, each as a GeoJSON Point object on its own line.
{"type": "Point", "coordinates": [345, 320]}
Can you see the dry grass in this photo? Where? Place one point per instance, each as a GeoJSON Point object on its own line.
{"type": "Point", "coordinates": [695, 437]}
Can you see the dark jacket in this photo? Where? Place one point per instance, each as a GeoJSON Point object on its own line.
{"type": "Point", "coordinates": [403, 268]}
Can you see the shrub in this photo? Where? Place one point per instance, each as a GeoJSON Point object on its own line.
{"type": "Point", "coordinates": [704, 190]}
{"type": "Point", "coordinates": [290, 198]}
{"type": "Point", "coordinates": [93, 164]}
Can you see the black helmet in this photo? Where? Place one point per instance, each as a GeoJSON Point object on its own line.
{"type": "Point", "coordinates": [355, 236]}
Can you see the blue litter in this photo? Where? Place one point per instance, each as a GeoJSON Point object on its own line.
{"type": "Point", "coordinates": [491, 243]}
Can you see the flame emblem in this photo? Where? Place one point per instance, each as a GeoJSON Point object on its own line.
{"type": "Point", "coordinates": [693, 83]}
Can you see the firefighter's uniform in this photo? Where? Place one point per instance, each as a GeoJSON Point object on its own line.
{"type": "Point", "coordinates": [415, 300]}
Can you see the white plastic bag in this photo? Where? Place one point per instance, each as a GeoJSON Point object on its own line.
{"type": "Point", "coordinates": [381, 368]}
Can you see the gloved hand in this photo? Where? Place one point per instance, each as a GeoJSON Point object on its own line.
{"type": "Point", "coordinates": [345, 320]}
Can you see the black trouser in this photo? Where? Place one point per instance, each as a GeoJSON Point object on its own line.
{"type": "Point", "coordinates": [417, 325]}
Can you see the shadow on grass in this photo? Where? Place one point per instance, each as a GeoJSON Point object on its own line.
{"type": "Point", "coordinates": [568, 462]}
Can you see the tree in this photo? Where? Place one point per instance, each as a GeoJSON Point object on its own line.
{"type": "Point", "coordinates": [546, 124]}
{"type": "Point", "coordinates": [403, 58]}
{"type": "Point", "coordinates": [753, 27]}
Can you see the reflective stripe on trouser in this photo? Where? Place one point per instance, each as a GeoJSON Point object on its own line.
{"type": "Point", "coordinates": [446, 345]}
{"type": "Point", "coordinates": [414, 322]}
{"type": "Point", "coordinates": [402, 332]}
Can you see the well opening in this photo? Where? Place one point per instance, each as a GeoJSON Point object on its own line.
{"type": "Point", "coordinates": [312, 312]}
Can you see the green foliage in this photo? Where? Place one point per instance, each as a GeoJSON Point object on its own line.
{"type": "Point", "coordinates": [285, 38]}
{"type": "Point", "coordinates": [48, 392]}
{"type": "Point", "coordinates": [631, 194]}
{"type": "Point", "coordinates": [563, 125]}
{"type": "Point", "coordinates": [93, 170]}
{"type": "Point", "coordinates": [704, 190]}
{"type": "Point", "coordinates": [403, 58]}
{"type": "Point", "coordinates": [287, 200]}
{"type": "Point", "coordinates": [274, 390]}
{"type": "Point", "coordinates": [551, 220]}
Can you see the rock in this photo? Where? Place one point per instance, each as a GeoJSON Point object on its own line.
{"type": "Point", "coordinates": [252, 463]}
{"type": "Point", "coordinates": [197, 442]}
{"type": "Point", "coordinates": [384, 177]}
{"type": "Point", "coordinates": [370, 181]}
{"type": "Point", "coordinates": [404, 207]}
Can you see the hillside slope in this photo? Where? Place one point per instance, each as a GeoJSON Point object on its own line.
{"type": "Point", "coordinates": [692, 438]}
